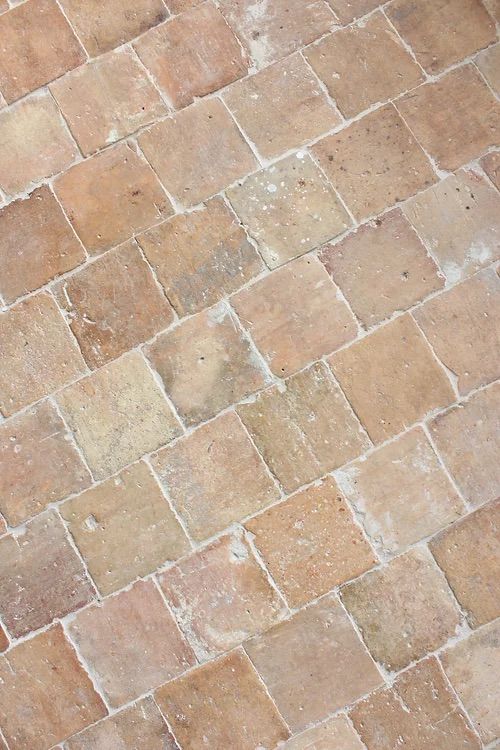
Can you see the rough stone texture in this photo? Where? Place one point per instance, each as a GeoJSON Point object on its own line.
{"type": "Point", "coordinates": [348, 10]}
{"type": "Point", "coordinates": [403, 610]}
{"type": "Point", "coordinates": [4, 642]}
{"type": "Point", "coordinates": [333, 733]}
{"type": "Point", "coordinates": [222, 704]}
{"type": "Point", "coordinates": [108, 637]}
{"type": "Point", "coordinates": [289, 208]}
{"type": "Point", "coordinates": [305, 428]}
{"type": "Point", "coordinates": [124, 528]}
{"type": "Point", "coordinates": [214, 476]}
{"type": "Point", "coordinates": [489, 64]}
{"type": "Point", "coordinates": [491, 165]}
{"type": "Point", "coordinates": [469, 555]}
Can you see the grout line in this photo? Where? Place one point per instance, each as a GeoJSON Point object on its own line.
{"type": "Point", "coordinates": [459, 701]}
{"type": "Point", "coordinates": [91, 674]}
{"type": "Point", "coordinates": [250, 539]}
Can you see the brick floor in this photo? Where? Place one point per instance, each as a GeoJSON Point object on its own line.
{"type": "Point", "coordinates": [249, 374]}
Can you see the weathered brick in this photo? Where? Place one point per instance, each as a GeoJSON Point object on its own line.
{"type": "Point", "coordinates": [4, 644]}
{"type": "Point", "coordinates": [348, 10]}
{"type": "Point", "coordinates": [111, 196]}
{"type": "Point", "coordinates": [289, 208]}
{"type": "Point", "coordinates": [214, 476]}
{"type": "Point", "coordinates": [333, 733]}
{"type": "Point", "coordinates": [374, 162]}
{"type": "Point", "coordinates": [491, 165]}
{"type": "Point", "coordinates": [124, 528]}
{"type": "Point", "coordinates": [38, 352]}
{"type": "Point", "coordinates": [42, 679]}
{"type": "Point", "coordinates": [222, 704]}
{"type": "Point", "coordinates": [117, 414]}
{"type": "Point", "coordinates": [113, 304]}
{"type": "Point", "coordinates": [381, 268]}
{"type": "Point", "coordinates": [200, 256]}
{"type": "Point", "coordinates": [131, 643]}
{"type": "Point", "coordinates": [488, 63]}
{"type": "Point", "coordinates": [304, 429]}
{"type": "Point", "coordinates": [493, 6]}
{"type": "Point", "coordinates": [404, 610]}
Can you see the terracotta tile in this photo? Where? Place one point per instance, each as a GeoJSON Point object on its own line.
{"type": "Point", "coordinates": [364, 64]}
{"type": "Point", "coordinates": [41, 576]}
{"type": "Point", "coordinates": [108, 637]}
{"type": "Point", "coordinates": [141, 725]}
{"type": "Point", "coordinates": [493, 7]}
{"type": "Point", "coordinates": [333, 733]}
{"type": "Point", "coordinates": [469, 555]}
{"type": "Point", "coordinates": [304, 429]}
{"type": "Point", "coordinates": [419, 712]}
{"type": "Point", "coordinates": [491, 165]}
{"type": "Point", "coordinates": [472, 667]}
{"type": "Point", "coordinates": [113, 304]}
{"type": "Point", "coordinates": [214, 476]}
{"type": "Point", "coordinates": [462, 326]}
{"type": "Point", "coordinates": [4, 644]}
{"type": "Point", "coordinates": [107, 99]}
{"type": "Point", "coordinates": [37, 45]}
{"type": "Point", "coordinates": [206, 364]}
{"type": "Point", "coordinates": [124, 528]}
{"type": "Point", "coordinates": [111, 196]}
{"type": "Point", "coordinates": [281, 107]}
{"type": "Point", "coordinates": [442, 34]}
{"type": "Point", "coordinates": [34, 143]}
{"type": "Point", "coordinates": [39, 354]}
{"type": "Point", "coordinates": [374, 162]}
{"type": "Point", "coordinates": [467, 438]}
{"type": "Point", "coordinates": [279, 31]}
{"type": "Point", "coordinates": [391, 378]}
{"type": "Point", "coordinates": [193, 54]}
{"type": "Point", "coordinates": [348, 10]}
{"type": "Point", "coordinates": [488, 63]}
{"type": "Point", "coordinates": [222, 704]}
{"type": "Point", "coordinates": [310, 543]}
{"type": "Point", "coordinates": [294, 315]}
{"type": "Point", "coordinates": [39, 464]}
{"type": "Point", "coordinates": [313, 664]}
{"type": "Point", "coordinates": [459, 220]}
{"type": "Point", "coordinates": [43, 679]}
{"type": "Point", "coordinates": [455, 119]}
{"type": "Point", "coordinates": [117, 414]}
{"type": "Point", "coordinates": [200, 256]}
{"type": "Point", "coordinates": [179, 6]}
{"type": "Point", "coordinates": [401, 492]}
{"type": "Point", "coordinates": [220, 596]}
{"type": "Point", "coordinates": [197, 152]}
{"type": "Point", "coordinates": [103, 26]}
{"type": "Point", "coordinates": [289, 208]}
{"type": "Point", "coordinates": [382, 268]}
{"type": "Point", "coordinates": [404, 610]}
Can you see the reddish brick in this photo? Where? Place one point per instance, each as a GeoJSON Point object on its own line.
{"type": "Point", "coordinates": [333, 733]}
{"type": "Point", "coordinates": [491, 165]}
{"type": "Point", "coordinates": [348, 10]}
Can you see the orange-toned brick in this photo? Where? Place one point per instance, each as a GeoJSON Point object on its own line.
{"type": "Point", "coordinates": [117, 414]}
{"type": "Point", "coordinates": [313, 664]}
{"type": "Point", "coordinates": [39, 464]}
{"type": "Point", "coordinates": [401, 492]}
{"type": "Point", "coordinates": [305, 429]}
{"type": "Point", "coordinates": [44, 678]}
{"type": "Point", "coordinates": [193, 54]}
{"type": "Point", "coordinates": [404, 610]}
{"type": "Point", "coordinates": [491, 165]}
{"type": "Point", "coordinates": [206, 364]}
{"type": "Point", "coordinates": [442, 34]}
{"type": "Point", "coordinates": [113, 304]}
{"type": "Point", "coordinates": [455, 119]}
{"type": "Point", "coordinates": [111, 196]}
{"type": "Point", "coordinates": [214, 476]}
{"type": "Point", "coordinates": [131, 643]}
{"type": "Point", "coordinates": [41, 576]}
{"type": "Point", "coordinates": [124, 528]}
{"type": "Point", "coordinates": [374, 162]}
{"type": "Point", "coordinates": [391, 378]}
{"type": "Point", "coordinates": [289, 208]}
{"type": "Point", "coordinates": [310, 543]}
{"type": "Point", "coordinates": [222, 704]}
{"type": "Point", "coordinates": [281, 107]}
{"type": "Point", "coordinates": [200, 256]}
{"type": "Point", "coordinates": [197, 152]}
{"type": "Point", "coordinates": [348, 10]}
{"type": "Point", "coordinates": [103, 26]}
{"type": "Point", "coordinates": [294, 315]}
{"type": "Point", "coordinates": [38, 352]}
{"type": "Point", "coordinates": [381, 268]}
{"type": "Point", "coordinates": [108, 99]}
{"type": "Point", "coordinates": [364, 64]}
{"type": "Point", "coordinates": [37, 45]}
{"type": "Point", "coordinates": [333, 733]}
{"type": "Point", "coordinates": [34, 143]}
{"type": "Point", "coordinates": [220, 596]}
